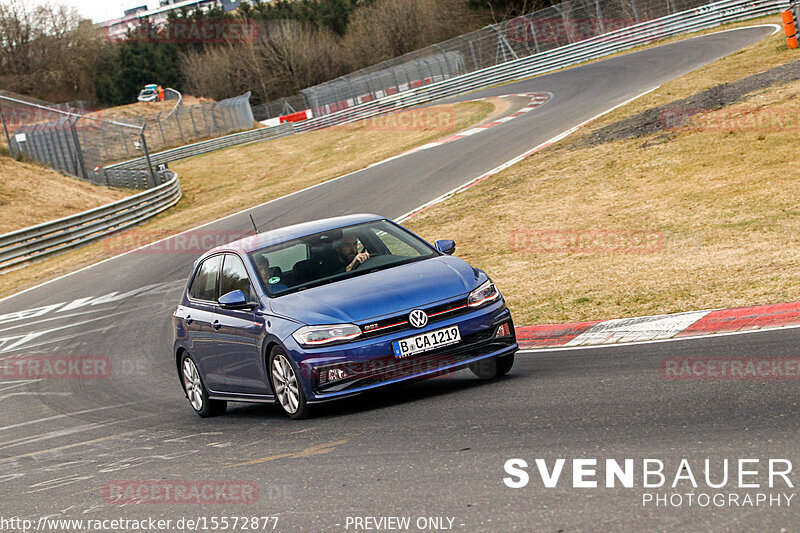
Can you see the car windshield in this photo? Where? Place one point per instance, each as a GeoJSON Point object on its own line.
{"type": "Point", "coordinates": [335, 255]}
{"type": "Point", "coordinates": [147, 92]}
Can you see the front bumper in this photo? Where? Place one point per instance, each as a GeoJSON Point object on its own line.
{"type": "Point", "coordinates": [370, 363]}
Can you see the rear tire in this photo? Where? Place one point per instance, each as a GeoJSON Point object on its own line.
{"type": "Point", "coordinates": [196, 391]}
{"type": "Point", "coordinates": [288, 391]}
{"type": "Point", "coordinates": [492, 368]}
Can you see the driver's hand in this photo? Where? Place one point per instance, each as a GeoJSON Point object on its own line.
{"type": "Point", "coordinates": [360, 258]}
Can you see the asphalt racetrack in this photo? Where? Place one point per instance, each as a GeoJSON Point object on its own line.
{"type": "Point", "coordinates": [430, 449]}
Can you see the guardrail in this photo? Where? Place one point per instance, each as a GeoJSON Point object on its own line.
{"type": "Point", "coordinates": [44, 239]}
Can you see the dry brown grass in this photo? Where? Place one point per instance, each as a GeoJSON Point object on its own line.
{"type": "Point", "coordinates": [226, 181]}
{"type": "Point", "coordinates": [30, 194]}
{"type": "Point", "coordinates": [725, 201]}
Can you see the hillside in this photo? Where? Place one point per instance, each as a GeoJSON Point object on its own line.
{"type": "Point", "coordinates": [30, 194]}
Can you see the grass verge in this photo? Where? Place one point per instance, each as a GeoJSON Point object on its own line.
{"type": "Point", "coordinates": [226, 181]}
{"type": "Point", "coordinates": [716, 203]}
{"type": "Point", "coordinates": [31, 194]}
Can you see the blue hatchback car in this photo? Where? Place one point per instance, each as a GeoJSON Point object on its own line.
{"type": "Point", "coordinates": [331, 308]}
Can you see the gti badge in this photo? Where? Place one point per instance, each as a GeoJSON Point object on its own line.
{"type": "Point", "coordinates": [418, 318]}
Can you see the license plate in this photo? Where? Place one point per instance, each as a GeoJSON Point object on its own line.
{"type": "Point", "coordinates": [426, 341]}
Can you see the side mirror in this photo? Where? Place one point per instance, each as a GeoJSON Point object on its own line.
{"type": "Point", "coordinates": [235, 300]}
{"type": "Point", "coordinates": [446, 246]}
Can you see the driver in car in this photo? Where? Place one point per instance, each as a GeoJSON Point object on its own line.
{"type": "Point", "coordinates": [347, 255]}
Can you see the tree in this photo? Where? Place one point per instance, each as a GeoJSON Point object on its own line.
{"type": "Point", "coordinates": [46, 51]}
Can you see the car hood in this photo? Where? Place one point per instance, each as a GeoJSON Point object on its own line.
{"type": "Point", "coordinates": [381, 293]}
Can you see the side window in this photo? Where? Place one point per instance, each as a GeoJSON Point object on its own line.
{"type": "Point", "coordinates": [205, 282]}
{"type": "Point", "coordinates": [234, 276]}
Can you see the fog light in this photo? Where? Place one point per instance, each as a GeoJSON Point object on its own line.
{"type": "Point", "coordinates": [330, 375]}
{"type": "Point", "coordinates": [503, 331]}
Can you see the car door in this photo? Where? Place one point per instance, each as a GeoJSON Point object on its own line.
{"type": "Point", "coordinates": [197, 317]}
{"type": "Point", "coordinates": [236, 333]}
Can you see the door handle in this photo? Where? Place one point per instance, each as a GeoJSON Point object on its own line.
{"type": "Point", "coordinates": [189, 320]}
{"type": "Point", "coordinates": [216, 324]}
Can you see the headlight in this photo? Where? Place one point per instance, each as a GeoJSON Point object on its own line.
{"type": "Point", "coordinates": [484, 294]}
{"type": "Point", "coordinates": [311, 336]}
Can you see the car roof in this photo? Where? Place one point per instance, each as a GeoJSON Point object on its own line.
{"type": "Point", "coordinates": [288, 233]}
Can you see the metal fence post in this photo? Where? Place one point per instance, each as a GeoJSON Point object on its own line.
{"type": "Point", "coordinates": [213, 118]}
{"type": "Point", "coordinates": [5, 130]}
{"type": "Point", "coordinates": [161, 129]}
{"type": "Point", "coordinates": [147, 155]}
{"type": "Point", "coordinates": [180, 129]}
{"type": "Point", "coordinates": [795, 5]}
{"type": "Point", "coordinates": [124, 142]}
{"type": "Point", "coordinates": [194, 125]}
{"type": "Point", "coordinates": [78, 151]}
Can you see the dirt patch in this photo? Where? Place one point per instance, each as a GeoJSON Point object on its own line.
{"type": "Point", "coordinates": [679, 112]}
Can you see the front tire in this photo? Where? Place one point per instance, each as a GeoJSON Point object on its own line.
{"type": "Point", "coordinates": [493, 367]}
{"type": "Point", "coordinates": [288, 391]}
{"type": "Point", "coordinates": [196, 391]}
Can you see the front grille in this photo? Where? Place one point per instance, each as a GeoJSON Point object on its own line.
{"type": "Point", "coordinates": [389, 368]}
{"type": "Point", "coordinates": [400, 322]}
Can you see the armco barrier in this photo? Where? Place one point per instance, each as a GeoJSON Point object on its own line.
{"type": "Point", "coordinates": [65, 233]}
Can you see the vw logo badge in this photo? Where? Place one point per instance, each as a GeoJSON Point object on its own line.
{"type": "Point", "coordinates": [418, 318]}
